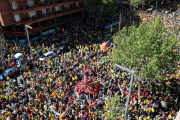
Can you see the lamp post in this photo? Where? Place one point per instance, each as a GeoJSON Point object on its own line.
{"type": "Point", "coordinates": [129, 93]}
{"type": "Point", "coordinates": [27, 33]}
{"type": "Point", "coordinates": [119, 23]}
{"type": "Point", "coordinates": [156, 5]}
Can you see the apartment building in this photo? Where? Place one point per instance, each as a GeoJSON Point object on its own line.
{"type": "Point", "coordinates": [45, 16]}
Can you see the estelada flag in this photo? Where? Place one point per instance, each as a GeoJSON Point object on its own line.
{"type": "Point", "coordinates": [54, 93]}
{"type": "Point", "coordinates": [103, 46]}
{"type": "Point", "coordinates": [28, 91]}
{"type": "Point", "coordinates": [76, 40]}
{"type": "Point", "coordinates": [162, 2]}
{"type": "Point", "coordinates": [61, 58]}
{"type": "Point", "coordinates": [63, 114]}
{"type": "Point", "coordinates": [75, 57]}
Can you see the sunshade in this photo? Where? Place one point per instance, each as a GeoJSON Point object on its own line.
{"type": "Point", "coordinates": [18, 55]}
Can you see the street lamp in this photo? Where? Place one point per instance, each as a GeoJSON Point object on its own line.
{"type": "Point", "coordinates": [119, 23]}
{"type": "Point", "coordinates": [131, 83]}
{"type": "Point", "coordinates": [26, 27]}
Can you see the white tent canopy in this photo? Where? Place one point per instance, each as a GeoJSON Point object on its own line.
{"type": "Point", "coordinates": [18, 55]}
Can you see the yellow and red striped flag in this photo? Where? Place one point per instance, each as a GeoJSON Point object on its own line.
{"type": "Point", "coordinates": [54, 93]}
{"type": "Point", "coordinates": [103, 46]}
{"type": "Point", "coordinates": [61, 58]}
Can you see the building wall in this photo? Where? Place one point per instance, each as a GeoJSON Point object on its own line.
{"type": "Point", "coordinates": [45, 28]}
{"type": "Point", "coordinates": [7, 13]}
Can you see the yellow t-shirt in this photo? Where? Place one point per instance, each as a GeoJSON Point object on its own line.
{"type": "Point", "coordinates": [152, 109]}
{"type": "Point", "coordinates": [144, 118]}
{"type": "Point", "coordinates": [2, 117]}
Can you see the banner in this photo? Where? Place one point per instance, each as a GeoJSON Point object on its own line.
{"type": "Point", "coordinates": [20, 32]}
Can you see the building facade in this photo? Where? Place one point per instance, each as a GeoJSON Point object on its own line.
{"type": "Point", "coordinates": [45, 16]}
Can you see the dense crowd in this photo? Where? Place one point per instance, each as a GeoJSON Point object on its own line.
{"type": "Point", "coordinates": [74, 85]}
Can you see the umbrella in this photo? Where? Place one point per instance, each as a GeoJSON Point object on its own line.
{"type": "Point", "coordinates": [18, 55]}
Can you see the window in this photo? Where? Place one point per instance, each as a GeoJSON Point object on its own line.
{"type": "Point", "coordinates": [77, 4]}
{"type": "Point", "coordinates": [67, 7]}
{"type": "Point", "coordinates": [32, 14]}
{"type": "Point", "coordinates": [42, 1]}
{"type": "Point", "coordinates": [60, 8]}
{"type": "Point", "coordinates": [50, 10]}
{"type": "Point", "coordinates": [14, 5]}
{"type": "Point", "coordinates": [43, 11]}
{"type": "Point", "coordinates": [30, 3]}
{"type": "Point", "coordinates": [16, 18]}
{"type": "Point", "coordinates": [57, 8]}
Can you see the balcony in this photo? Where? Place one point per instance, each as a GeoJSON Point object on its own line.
{"type": "Point", "coordinates": [48, 5]}
{"type": "Point", "coordinates": [36, 18]}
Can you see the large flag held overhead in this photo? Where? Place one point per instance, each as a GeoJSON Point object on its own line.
{"type": "Point", "coordinates": [61, 58]}
{"type": "Point", "coordinates": [104, 46]}
{"type": "Point", "coordinates": [54, 93]}
{"type": "Point", "coordinates": [63, 114]}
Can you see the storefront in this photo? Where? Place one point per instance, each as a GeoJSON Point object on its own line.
{"type": "Point", "coordinates": [10, 36]}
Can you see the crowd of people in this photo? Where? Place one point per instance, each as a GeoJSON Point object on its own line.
{"type": "Point", "coordinates": [170, 17]}
{"type": "Point", "coordinates": [74, 85]}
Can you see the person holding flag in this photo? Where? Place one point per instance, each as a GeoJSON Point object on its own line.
{"type": "Point", "coordinates": [104, 46]}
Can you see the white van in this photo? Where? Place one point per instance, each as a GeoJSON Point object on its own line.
{"type": "Point", "coordinates": [46, 55]}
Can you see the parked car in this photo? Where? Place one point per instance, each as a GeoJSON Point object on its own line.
{"type": "Point", "coordinates": [46, 55]}
{"type": "Point", "coordinates": [63, 48]}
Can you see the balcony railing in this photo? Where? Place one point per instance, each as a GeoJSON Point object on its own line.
{"type": "Point", "coordinates": [46, 14]}
{"type": "Point", "coordinates": [27, 7]}
{"type": "Point", "coordinates": [37, 16]}
{"type": "Point", "coordinates": [43, 4]}
{"type": "Point", "coordinates": [16, 8]}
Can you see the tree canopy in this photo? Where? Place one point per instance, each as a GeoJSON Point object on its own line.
{"type": "Point", "coordinates": [137, 2]}
{"type": "Point", "coordinates": [113, 108]}
{"type": "Point", "coordinates": [106, 5]}
{"type": "Point", "coordinates": [148, 47]}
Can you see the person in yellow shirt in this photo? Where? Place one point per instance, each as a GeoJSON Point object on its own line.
{"type": "Point", "coordinates": [2, 117]}
{"type": "Point", "coordinates": [170, 117]}
{"type": "Point", "coordinates": [144, 118]}
{"type": "Point", "coordinates": [152, 110]}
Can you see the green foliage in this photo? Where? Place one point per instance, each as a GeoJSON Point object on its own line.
{"type": "Point", "coordinates": [137, 2]}
{"type": "Point", "coordinates": [109, 5]}
{"type": "Point", "coordinates": [106, 5]}
{"type": "Point", "coordinates": [147, 46]}
{"type": "Point", "coordinates": [92, 4]}
{"type": "Point", "coordinates": [113, 109]}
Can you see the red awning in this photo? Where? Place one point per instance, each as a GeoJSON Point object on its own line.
{"type": "Point", "coordinates": [20, 32]}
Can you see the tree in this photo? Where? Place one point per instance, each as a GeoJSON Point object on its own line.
{"type": "Point", "coordinates": [113, 108]}
{"type": "Point", "coordinates": [148, 47]}
{"type": "Point", "coordinates": [109, 5]}
{"type": "Point", "coordinates": [105, 5]}
{"type": "Point", "coordinates": [137, 2]}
